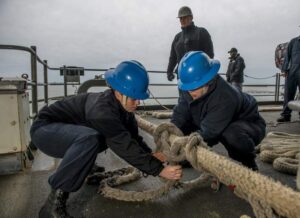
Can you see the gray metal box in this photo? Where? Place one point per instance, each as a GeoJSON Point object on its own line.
{"type": "Point", "coordinates": [14, 122]}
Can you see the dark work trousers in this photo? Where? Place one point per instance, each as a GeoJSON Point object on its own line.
{"type": "Point", "coordinates": [240, 139]}
{"type": "Point", "coordinates": [78, 147]}
{"type": "Point", "coordinates": [291, 83]}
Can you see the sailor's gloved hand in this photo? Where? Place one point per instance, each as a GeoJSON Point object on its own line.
{"type": "Point", "coordinates": [170, 76]}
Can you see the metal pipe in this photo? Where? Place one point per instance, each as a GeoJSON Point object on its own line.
{"type": "Point", "coordinates": [279, 76]}
{"type": "Point", "coordinates": [276, 88]}
{"type": "Point", "coordinates": [46, 82]}
{"type": "Point", "coordinates": [65, 82]}
{"type": "Point", "coordinates": [34, 80]}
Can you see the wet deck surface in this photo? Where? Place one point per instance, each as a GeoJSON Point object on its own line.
{"type": "Point", "coordinates": [24, 193]}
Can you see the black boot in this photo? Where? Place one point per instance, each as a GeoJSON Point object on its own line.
{"type": "Point", "coordinates": [96, 169]}
{"type": "Point", "coordinates": [284, 119]}
{"type": "Point", "coordinates": [55, 206]}
{"type": "Point", "coordinates": [250, 163]}
{"type": "Point", "coordinates": [96, 175]}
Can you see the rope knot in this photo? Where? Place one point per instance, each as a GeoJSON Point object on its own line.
{"type": "Point", "coordinates": [194, 140]}
{"type": "Point", "coordinates": [161, 137]}
{"type": "Point", "coordinates": [177, 151]}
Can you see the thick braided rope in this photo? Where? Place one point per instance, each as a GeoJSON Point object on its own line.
{"type": "Point", "coordinates": [170, 140]}
{"type": "Point", "coordinates": [281, 149]}
{"type": "Point", "coordinates": [162, 138]}
{"type": "Point", "coordinates": [174, 154]}
{"type": "Point", "coordinates": [255, 188]}
{"type": "Point", "coordinates": [283, 200]}
{"type": "Point", "coordinates": [162, 115]}
{"type": "Point", "coordinates": [260, 208]}
{"type": "Point", "coordinates": [298, 174]}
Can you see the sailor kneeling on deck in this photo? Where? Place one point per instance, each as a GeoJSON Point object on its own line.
{"type": "Point", "coordinates": [216, 110]}
{"type": "Point", "coordinates": [76, 129]}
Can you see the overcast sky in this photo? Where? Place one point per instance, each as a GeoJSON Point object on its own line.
{"type": "Point", "coordinates": [100, 34]}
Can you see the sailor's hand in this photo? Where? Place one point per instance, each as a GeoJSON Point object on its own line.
{"type": "Point", "coordinates": [171, 172]}
{"type": "Point", "coordinates": [170, 76]}
{"type": "Point", "coordinates": [284, 74]}
{"type": "Point", "coordinates": [160, 156]}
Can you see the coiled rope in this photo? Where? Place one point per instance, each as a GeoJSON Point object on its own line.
{"type": "Point", "coordinates": [298, 175]}
{"type": "Point", "coordinates": [282, 150]}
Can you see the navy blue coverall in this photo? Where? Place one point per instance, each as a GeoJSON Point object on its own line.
{"type": "Point", "coordinates": [223, 114]}
{"type": "Point", "coordinates": [191, 38]}
{"type": "Point", "coordinates": [76, 129]}
{"type": "Point", "coordinates": [291, 66]}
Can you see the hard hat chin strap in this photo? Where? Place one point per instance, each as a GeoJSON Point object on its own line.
{"type": "Point", "coordinates": [124, 100]}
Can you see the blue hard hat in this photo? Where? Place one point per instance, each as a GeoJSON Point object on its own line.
{"type": "Point", "coordinates": [196, 69]}
{"type": "Point", "coordinates": [130, 78]}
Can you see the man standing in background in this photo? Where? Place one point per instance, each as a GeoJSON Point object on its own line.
{"type": "Point", "coordinates": [235, 71]}
{"type": "Point", "coordinates": [191, 38]}
{"type": "Point", "coordinates": [291, 70]}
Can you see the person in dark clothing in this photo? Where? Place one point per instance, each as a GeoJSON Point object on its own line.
{"type": "Point", "coordinates": [291, 71]}
{"type": "Point", "coordinates": [217, 111]}
{"type": "Point", "coordinates": [191, 38]}
{"type": "Point", "coordinates": [235, 70]}
{"type": "Point", "coordinates": [76, 129]}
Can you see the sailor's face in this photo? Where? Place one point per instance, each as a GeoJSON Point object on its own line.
{"type": "Point", "coordinates": [197, 93]}
{"type": "Point", "coordinates": [131, 104]}
{"type": "Point", "coordinates": [185, 21]}
{"type": "Point", "coordinates": [232, 54]}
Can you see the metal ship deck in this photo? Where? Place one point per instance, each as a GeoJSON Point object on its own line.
{"type": "Point", "coordinates": [23, 194]}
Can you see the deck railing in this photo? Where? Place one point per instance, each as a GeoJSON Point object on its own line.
{"type": "Point", "coordinates": [35, 59]}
